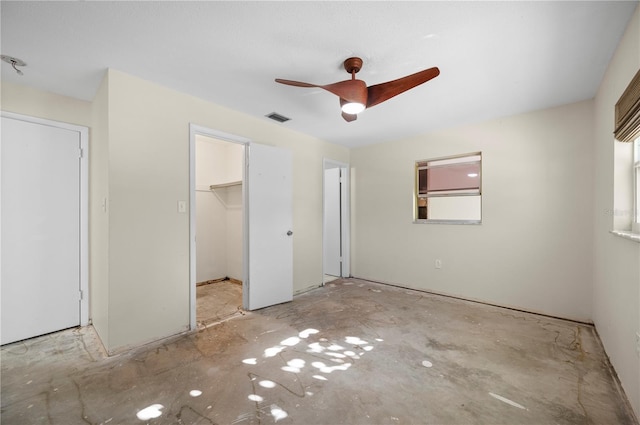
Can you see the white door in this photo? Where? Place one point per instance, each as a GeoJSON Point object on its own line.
{"type": "Point", "coordinates": [40, 221]}
{"type": "Point", "coordinates": [332, 210]}
{"type": "Point", "coordinates": [270, 210]}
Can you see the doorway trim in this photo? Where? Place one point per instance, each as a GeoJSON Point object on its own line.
{"type": "Point", "coordinates": [345, 214]}
{"type": "Point", "coordinates": [83, 133]}
{"type": "Point", "coordinates": [195, 130]}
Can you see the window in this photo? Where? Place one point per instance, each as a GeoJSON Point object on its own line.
{"type": "Point", "coordinates": [626, 219]}
{"type": "Point", "coordinates": [636, 186]}
{"type": "Point", "coordinates": [448, 190]}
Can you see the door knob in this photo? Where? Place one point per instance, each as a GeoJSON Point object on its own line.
{"type": "Point", "coordinates": [289, 233]}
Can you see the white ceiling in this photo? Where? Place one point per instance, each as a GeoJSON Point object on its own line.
{"type": "Point", "coordinates": [495, 58]}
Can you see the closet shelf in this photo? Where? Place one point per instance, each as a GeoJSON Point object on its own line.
{"type": "Point", "coordinates": [229, 184]}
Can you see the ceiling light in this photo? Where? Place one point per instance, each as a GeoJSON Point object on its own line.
{"type": "Point", "coordinates": [353, 108]}
{"type": "Point", "coordinates": [472, 174]}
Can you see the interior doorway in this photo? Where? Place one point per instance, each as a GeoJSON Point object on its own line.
{"type": "Point", "coordinates": [336, 223]}
{"type": "Point", "coordinates": [219, 176]}
{"type": "Point", "coordinates": [266, 216]}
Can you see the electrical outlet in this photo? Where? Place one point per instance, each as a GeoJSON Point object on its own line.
{"type": "Point", "coordinates": [438, 264]}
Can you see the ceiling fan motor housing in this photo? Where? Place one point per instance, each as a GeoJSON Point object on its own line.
{"type": "Point", "coordinates": [353, 65]}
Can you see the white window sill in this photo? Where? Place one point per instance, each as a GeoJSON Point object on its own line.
{"type": "Point", "coordinates": [627, 235]}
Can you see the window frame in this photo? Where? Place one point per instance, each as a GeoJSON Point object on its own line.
{"type": "Point", "coordinates": [635, 218]}
{"type": "Point", "coordinates": [463, 192]}
{"type": "Point", "coordinates": [627, 130]}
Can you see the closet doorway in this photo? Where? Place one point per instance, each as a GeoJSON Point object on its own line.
{"type": "Point", "coordinates": [219, 166]}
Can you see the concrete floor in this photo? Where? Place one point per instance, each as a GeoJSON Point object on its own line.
{"type": "Point", "coordinates": [329, 278]}
{"type": "Point", "coordinates": [218, 301]}
{"type": "Point", "coordinates": [353, 352]}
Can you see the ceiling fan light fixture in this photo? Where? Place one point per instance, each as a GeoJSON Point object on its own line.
{"type": "Point", "coordinates": [355, 96]}
{"type": "Point", "coordinates": [353, 108]}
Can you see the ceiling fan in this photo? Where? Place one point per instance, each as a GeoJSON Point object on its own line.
{"type": "Point", "coordinates": [354, 94]}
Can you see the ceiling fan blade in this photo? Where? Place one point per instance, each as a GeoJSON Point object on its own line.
{"type": "Point", "coordinates": [349, 117]}
{"type": "Point", "coordinates": [350, 90]}
{"type": "Point", "coordinates": [378, 93]}
{"type": "Point", "coordinates": [295, 83]}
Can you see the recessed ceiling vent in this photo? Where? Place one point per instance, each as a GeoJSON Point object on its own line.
{"type": "Point", "coordinates": [277, 117]}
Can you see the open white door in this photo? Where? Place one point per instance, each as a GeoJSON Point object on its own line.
{"type": "Point", "coordinates": [270, 208]}
{"type": "Point", "coordinates": [42, 228]}
{"type": "Point", "coordinates": [332, 223]}
{"type": "Point", "coordinates": [336, 223]}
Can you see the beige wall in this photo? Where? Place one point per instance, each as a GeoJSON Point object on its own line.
{"type": "Point", "coordinates": [37, 103]}
{"type": "Point", "coordinates": [139, 150]}
{"type": "Point", "coordinates": [99, 212]}
{"type": "Point", "coordinates": [616, 294]}
{"type": "Point", "coordinates": [533, 250]}
{"type": "Point", "coordinates": [149, 174]}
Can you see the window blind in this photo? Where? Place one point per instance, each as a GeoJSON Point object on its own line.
{"type": "Point", "coordinates": [627, 112]}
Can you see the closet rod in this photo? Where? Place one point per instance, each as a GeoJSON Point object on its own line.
{"type": "Point", "coordinates": [218, 186]}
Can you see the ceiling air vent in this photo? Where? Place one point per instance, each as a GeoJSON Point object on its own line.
{"type": "Point", "coordinates": [277, 117]}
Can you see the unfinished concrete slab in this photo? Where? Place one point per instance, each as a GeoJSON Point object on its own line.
{"type": "Point", "coordinates": [218, 301]}
{"type": "Point", "coordinates": [353, 352]}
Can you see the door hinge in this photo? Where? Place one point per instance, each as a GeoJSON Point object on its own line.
{"type": "Point", "coordinates": [81, 295]}
{"type": "Point", "coordinates": [81, 153]}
